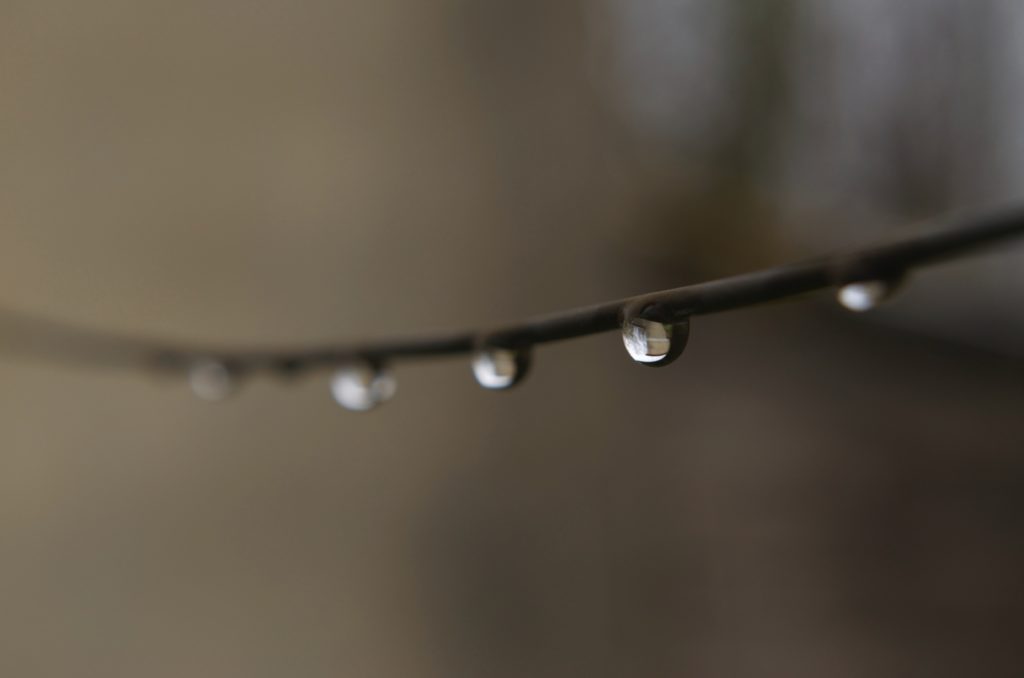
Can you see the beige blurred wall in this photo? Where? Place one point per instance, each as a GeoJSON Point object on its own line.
{"type": "Point", "coordinates": [804, 494]}
{"type": "Point", "coordinates": [264, 173]}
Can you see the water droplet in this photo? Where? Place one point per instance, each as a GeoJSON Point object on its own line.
{"type": "Point", "coordinates": [362, 387]}
{"type": "Point", "coordinates": [864, 295]}
{"type": "Point", "coordinates": [211, 380]}
{"type": "Point", "coordinates": [499, 368]}
{"type": "Point", "coordinates": [653, 343]}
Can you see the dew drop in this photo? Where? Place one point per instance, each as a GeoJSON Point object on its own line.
{"type": "Point", "coordinates": [211, 380]}
{"type": "Point", "coordinates": [864, 295]}
{"type": "Point", "coordinates": [653, 343]}
{"type": "Point", "coordinates": [362, 387]}
{"type": "Point", "coordinates": [500, 368]}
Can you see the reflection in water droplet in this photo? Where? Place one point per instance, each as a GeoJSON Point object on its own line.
{"type": "Point", "coordinates": [652, 343]}
{"type": "Point", "coordinates": [864, 295]}
{"type": "Point", "coordinates": [499, 368]}
{"type": "Point", "coordinates": [362, 387]}
{"type": "Point", "coordinates": [211, 380]}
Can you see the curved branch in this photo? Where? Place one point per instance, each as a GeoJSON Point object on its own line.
{"type": "Point", "coordinates": [887, 261]}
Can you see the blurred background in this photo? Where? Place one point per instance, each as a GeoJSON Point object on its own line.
{"type": "Point", "coordinates": [805, 493]}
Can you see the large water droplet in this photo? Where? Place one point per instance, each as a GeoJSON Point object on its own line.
{"type": "Point", "coordinates": [864, 295]}
{"type": "Point", "coordinates": [362, 387]}
{"type": "Point", "coordinates": [211, 380]}
{"type": "Point", "coordinates": [653, 343]}
{"type": "Point", "coordinates": [499, 368]}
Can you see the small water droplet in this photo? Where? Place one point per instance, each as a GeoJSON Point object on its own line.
{"type": "Point", "coordinates": [864, 295]}
{"type": "Point", "coordinates": [500, 368]}
{"type": "Point", "coordinates": [653, 343]}
{"type": "Point", "coordinates": [362, 387]}
{"type": "Point", "coordinates": [211, 380]}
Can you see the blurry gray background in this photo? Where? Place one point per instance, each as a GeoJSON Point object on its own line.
{"type": "Point", "coordinates": [804, 493]}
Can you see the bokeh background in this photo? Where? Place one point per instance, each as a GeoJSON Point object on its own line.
{"type": "Point", "coordinates": [804, 493]}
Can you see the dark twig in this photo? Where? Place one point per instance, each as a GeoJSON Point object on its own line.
{"type": "Point", "coordinates": [888, 261]}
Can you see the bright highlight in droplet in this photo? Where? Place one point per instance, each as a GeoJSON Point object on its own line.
{"type": "Point", "coordinates": [864, 295]}
{"type": "Point", "coordinates": [362, 387]}
{"type": "Point", "coordinates": [211, 380]}
{"type": "Point", "coordinates": [498, 368]}
{"type": "Point", "coordinates": [647, 341]}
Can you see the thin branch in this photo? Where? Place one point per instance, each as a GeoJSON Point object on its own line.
{"type": "Point", "coordinates": [885, 262]}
